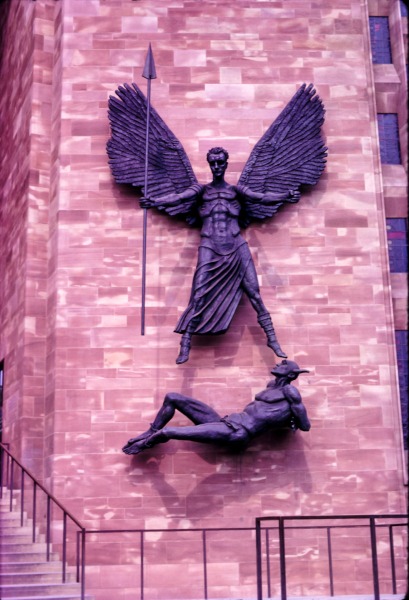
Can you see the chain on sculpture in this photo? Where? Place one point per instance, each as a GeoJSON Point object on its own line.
{"type": "Point", "coordinates": [290, 154]}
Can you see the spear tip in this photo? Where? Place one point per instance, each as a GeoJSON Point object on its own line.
{"type": "Point", "coordinates": [149, 71]}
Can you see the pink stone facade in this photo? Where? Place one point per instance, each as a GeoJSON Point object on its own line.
{"type": "Point", "coordinates": [80, 379]}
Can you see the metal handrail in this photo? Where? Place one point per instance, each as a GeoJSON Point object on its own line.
{"type": "Point", "coordinates": [281, 527]}
{"type": "Point", "coordinates": [7, 480]}
{"type": "Point", "coordinates": [7, 469]}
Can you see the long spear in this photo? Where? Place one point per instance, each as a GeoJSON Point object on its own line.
{"type": "Point", "coordinates": [149, 73]}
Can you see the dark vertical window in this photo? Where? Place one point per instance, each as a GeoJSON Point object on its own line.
{"type": "Point", "coordinates": [380, 40]}
{"type": "Point", "coordinates": [389, 138]}
{"type": "Point", "coordinates": [403, 9]}
{"type": "Point", "coordinates": [397, 232]}
{"type": "Point", "coordinates": [402, 354]}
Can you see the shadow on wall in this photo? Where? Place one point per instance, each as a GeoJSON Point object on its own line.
{"type": "Point", "coordinates": [274, 463]}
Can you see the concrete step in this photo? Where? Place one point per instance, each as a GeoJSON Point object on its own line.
{"type": "Point", "coordinates": [42, 590]}
{"type": "Point", "coordinates": [10, 515]}
{"type": "Point", "coordinates": [13, 528]}
{"type": "Point", "coordinates": [25, 573]}
{"type": "Point", "coordinates": [53, 597]}
{"type": "Point", "coordinates": [9, 538]}
{"type": "Point", "coordinates": [34, 554]}
{"type": "Point", "coordinates": [34, 577]}
{"type": "Point", "coordinates": [23, 547]}
{"type": "Point", "coordinates": [30, 567]}
{"type": "Point", "coordinates": [60, 597]}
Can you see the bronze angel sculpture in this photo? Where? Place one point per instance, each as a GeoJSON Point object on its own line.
{"type": "Point", "coordinates": [291, 153]}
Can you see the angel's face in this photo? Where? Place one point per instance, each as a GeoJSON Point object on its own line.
{"type": "Point", "coordinates": [217, 164]}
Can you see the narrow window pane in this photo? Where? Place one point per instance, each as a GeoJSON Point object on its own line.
{"type": "Point", "coordinates": [380, 40]}
{"type": "Point", "coordinates": [389, 138]}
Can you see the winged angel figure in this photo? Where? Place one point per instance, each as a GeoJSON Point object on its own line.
{"type": "Point", "coordinates": [291, 153]}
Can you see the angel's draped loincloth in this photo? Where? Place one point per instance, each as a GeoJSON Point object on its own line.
{"type": "Point", "coordinates": [216, 288]}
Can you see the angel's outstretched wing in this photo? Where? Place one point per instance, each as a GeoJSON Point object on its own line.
{"type": "Point", "coordinates": [289, 154]}
{"type": "Point", "coordinates": [169, 169]}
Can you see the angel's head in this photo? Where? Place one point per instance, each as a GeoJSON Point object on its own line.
{"type": "Point", "coordinates": [217, 158]}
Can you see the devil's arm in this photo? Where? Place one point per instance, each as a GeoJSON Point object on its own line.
{"type": "Point", "coordinates": [298, 409]}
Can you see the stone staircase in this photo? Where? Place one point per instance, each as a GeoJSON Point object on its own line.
{"type": "Point", "coordinates": [25, 573]}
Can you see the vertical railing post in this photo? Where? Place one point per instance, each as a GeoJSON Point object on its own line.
{"type": "Point", "coordinates": [268, 562]}
{"type": "Point", "coordinates": [1, 470]}
{"type": "Point", "coordinates": [392, 551]}
{"type": "Point", "coordinates": [11, 483]}
{"type": "Point", "coordinates": [83, 532]}
{"type": "Point", "coordinates": [78, 556]}
{"type": "Point", "coordinates": [34, 510]}
{"type": "Point", "coordinates": [64, 547]}
{"type": "Point", "coordinates": [283, 575]}
{"type": "Point", "coordinates": [204, 562]}
{"type": "Point", "coordinates": [22, 499]}
{"type": "Point", "coordinates": [8, 461]}
{"type": "Point", "coordinates": [330, 566]}
{"type": "Point", "coordinates": [374, 553]}
{"type": "Point", "coordinates": [48, 527]}
{"type": "Point", "coordinates": [258, 561]}
{"type": "Point", "coordinates": [142, 564]}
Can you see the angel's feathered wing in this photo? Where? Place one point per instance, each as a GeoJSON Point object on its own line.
{"type": "Point", "coordinates": [169, 169]}
{"type": "Point", "coordinates": [291, 153]}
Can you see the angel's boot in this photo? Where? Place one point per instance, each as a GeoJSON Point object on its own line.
{"type": "Point", "coordinates": [184, 348]}
{"type": "Point", "coordinates": [265, 322]}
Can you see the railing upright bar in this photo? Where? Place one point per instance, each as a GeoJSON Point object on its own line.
{"type": "Point", "coordinates": [48, 530]}
{"type": "Point", "coordinates": [283, 576]}
{"type": "Point", "coordinates": [11, 483]}
{"type": "Point", "coordinates": [34, 511]}
{"type": "Point", "coordinates": [204, 549]}
{"type": "Point", "coordinates": [1, 471]}
{"type": "Point", "coordinates": [330, 565]}
{"type": "Point", "coordinates": [142, 564]}
{"type": "Point", "coordinates": [22, 499]}
{"type": "Point", "coordinates": [78, 556]}
{"type": "Point", "coordinates": [374, 553]}
{"type": "Point", "coordinates": [64, 546]}
{"type": "Point", "coordinates": [8, 470]}
{"type": "Point", "coordinates": [83, 534]}
{"type": "Point", "coordinates": [259, 569]}
{"type": "Point", "coordinates": [268, 562]}
{"type": "Point", "coordinates": [393, 566]}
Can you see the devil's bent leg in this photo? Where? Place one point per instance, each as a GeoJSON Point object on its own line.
{"type": "Point", "coordinates": [195, 410]}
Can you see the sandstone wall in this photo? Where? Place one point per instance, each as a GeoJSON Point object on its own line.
{"type": "Point", "coordinates": [225, 70]}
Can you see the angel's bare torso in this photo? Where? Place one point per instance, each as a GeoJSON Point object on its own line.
{"type": "Point", "coordinates": [219, 212]}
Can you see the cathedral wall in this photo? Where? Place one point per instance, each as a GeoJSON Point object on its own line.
{"type": "Point", "coordinates": [30, 113]}
{"type": "Point", "coordinates": [225, 71]}
{"type": "Point", "coordinates": [15, 114]}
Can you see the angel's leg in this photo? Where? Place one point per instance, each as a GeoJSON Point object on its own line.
{"type": "Point", "coordinates": [251, 288]}
{"type": "Point", "coordinates": [195, 304]}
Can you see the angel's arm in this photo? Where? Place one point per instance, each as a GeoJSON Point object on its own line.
{"type": "Point", "coordinates": [172, 200]}
{"type": "Point", "coordinates": [268, 198]}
